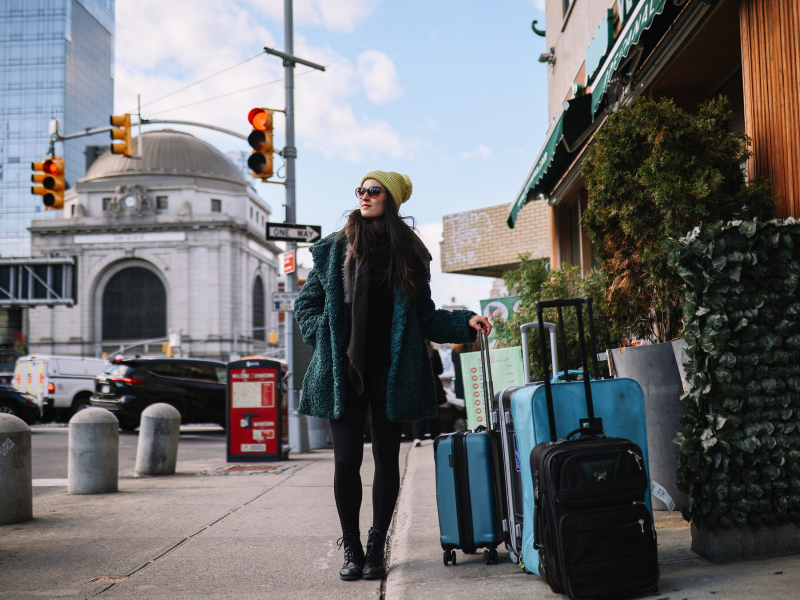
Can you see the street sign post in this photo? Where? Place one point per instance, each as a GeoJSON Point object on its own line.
{"type": "Point", "coordinates": [284, 301]}
{"type": "Point", "coordinates": [291, 232]}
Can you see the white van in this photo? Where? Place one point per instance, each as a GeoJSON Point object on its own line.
{"type": "Point", "coordinates": [62, 385]}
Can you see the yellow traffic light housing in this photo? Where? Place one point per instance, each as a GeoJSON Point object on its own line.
{"type": "Point", "coordinates": [123, 134]}
{"type": "Point", "coordinates": [260, 140]}
{"type": "Point", "coordinates": [50, 174]}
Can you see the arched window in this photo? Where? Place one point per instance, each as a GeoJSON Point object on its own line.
{"type": "Point", "coordinates": [134, 306]}
{"type": "Point", "coordinates": [259, 318]}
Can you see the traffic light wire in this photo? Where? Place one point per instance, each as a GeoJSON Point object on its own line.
{"type": "Point", "coordinates": [202, 80]}
{"type": "Point", "coordinates": [230, 93]}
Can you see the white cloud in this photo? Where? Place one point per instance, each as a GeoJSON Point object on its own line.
{"type": "Point", "coordinates": [335, 15]}
{"type": "Point", "coordinates": [538, 4]}
{"type": "Point", "coordinates": [481, 152]}
{"type": "Point", "coordinates": [378, 76]}
{"type": "Point", "coordinates": [329, 124]}
{"type": "Point", "coordinates": [191, 40]}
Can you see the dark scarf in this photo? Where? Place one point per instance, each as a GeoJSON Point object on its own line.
{"type": "Point", "coordinates": [358, 274]}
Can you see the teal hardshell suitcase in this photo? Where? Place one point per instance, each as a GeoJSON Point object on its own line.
{"type": "Point", "coordinates": [468, 488]}
{"type": "Point", "coordinates": [618, 402]}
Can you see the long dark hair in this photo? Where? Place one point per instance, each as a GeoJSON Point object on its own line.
{"type": "Point", "coordinates": [407, 254]}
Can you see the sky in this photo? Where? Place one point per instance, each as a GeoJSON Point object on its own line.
{"type": "Point", "coordinates": [447, 91]}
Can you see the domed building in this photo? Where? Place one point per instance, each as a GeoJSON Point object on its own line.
{"type": "Point", "coordinates": [170, 243]}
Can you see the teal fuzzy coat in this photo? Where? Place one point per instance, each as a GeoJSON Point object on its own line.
{"type": "Point", "coordinates": [321, 315]}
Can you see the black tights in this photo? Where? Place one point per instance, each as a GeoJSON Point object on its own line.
{"type": "Point", "coordinates": [347, 435]}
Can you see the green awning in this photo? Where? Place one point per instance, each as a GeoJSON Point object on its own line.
{"type": "Point", "coordinates": [565, 137]}
{"type": "Point", "coordinates": [641, 18]}
{"type": "Point", "coordinates": [563, 140]}
{"type": "Point", "coordinates": [540, 167]}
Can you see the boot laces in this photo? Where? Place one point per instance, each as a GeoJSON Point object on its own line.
{"type": "Point", "coordinates": [349, 547]}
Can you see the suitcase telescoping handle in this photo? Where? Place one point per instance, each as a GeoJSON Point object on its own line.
{"type": "Point", "coordinates": [488, 386]}
{"type": "Point", "coordinates": [592, 423]}
{"type": "Point", "coordinates": [526, 360]}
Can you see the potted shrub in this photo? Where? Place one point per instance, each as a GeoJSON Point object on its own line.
{"type": "Point", "coordinates": [653, 172]}
{"type": "Point", "coordinates": [533, 280]}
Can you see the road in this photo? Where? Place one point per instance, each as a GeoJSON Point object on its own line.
{"type": "Point", "coordinates": [50, 444]}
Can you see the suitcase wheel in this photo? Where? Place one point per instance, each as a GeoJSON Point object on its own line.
{"type": "Point", "coordinates": [449, 556]}
{"type": "Point", "coordinates": [490, 557]}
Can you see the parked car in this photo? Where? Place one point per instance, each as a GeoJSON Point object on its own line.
{"type": "Point", "coordinates": [195, 387]}
{"type": "Point", "coordinates": [20, 405]}
{"type": "Point", "coordinates": [62, 385]}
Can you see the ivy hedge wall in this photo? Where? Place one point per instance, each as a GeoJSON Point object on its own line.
{"type": "Point", "coordinates": [739, 456]}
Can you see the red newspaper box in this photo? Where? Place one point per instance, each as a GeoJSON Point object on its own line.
{"type": "Point", "coordinates": [255, 411]}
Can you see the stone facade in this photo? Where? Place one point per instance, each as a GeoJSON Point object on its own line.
{"type": "Point", "coordinates": [479, 242]}
{"type": "Point", "coordinates": [185, 214]}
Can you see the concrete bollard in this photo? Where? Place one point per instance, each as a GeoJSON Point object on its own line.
{"type": "Point", "coordinates": [16, 486]}
{"type": "Point", "coordinates": [93, 465]}
{"type": "Point", "coordinates": [159, 433]}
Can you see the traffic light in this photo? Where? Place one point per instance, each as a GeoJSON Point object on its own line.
{"type": "Point", "coordinates": [50, 174]}
{"type": "Point", "coordinates": [273, 337]}
{"type": "Point", "coordinates": [123, 134]}
{"type": "Point", "coordinates": [260, 139]}
{"type": "Point", "coordinates": [167, 349]}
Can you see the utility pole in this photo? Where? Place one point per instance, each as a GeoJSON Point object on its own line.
{"type": "Point", "coordinates": [298, 434]}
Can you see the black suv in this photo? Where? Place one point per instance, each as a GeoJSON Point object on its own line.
{"type": "Point", "coordinates": [195, 387]}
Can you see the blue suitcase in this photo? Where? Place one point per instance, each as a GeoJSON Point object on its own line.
{"type": "Point", "coordinates": [618, 402]}
{"type": "Point", "coordinates": [468, 487]}
{"type": "Point", "coordinates": [507, 440]}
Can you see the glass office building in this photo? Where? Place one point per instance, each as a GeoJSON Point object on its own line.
{"type": "Point", "coordinates": [56, 60]}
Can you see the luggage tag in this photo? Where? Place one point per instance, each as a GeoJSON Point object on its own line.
{"type": "Point", "coordinates": [658, 491]}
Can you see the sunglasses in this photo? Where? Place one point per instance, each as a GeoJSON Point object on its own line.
{"type": "Point", "coordinates": [372, 192]}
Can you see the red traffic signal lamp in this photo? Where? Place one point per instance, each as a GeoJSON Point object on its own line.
{"type": "Point", "coordinates": [260, 140]}
{"type": "Point", "coordinates": [50, 174]}
{"type": "Point", "coordinates": [123, 122]}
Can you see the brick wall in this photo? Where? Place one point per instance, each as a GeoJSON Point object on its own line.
{"type": "Point", "coordinates": [479, 242]}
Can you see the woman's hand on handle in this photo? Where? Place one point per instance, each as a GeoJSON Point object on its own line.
{"type": "Point", "coordinates": [480, 323]}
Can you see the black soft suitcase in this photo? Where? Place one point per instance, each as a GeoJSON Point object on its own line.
{"type": "Point", "coordinates": [592, 528]}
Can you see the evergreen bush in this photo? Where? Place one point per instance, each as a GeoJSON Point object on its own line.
{"type": "Point", "coordinates": [655, 171]}
{"type": "Point", "coordinates": [533, 281]}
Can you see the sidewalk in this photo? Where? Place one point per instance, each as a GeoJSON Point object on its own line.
{"type": "Point", "coordinates": [418, 572]}
{"type": "Point", "coordinates": [209, 532]}
{"type": "Point", "coordinates": [198, 534]}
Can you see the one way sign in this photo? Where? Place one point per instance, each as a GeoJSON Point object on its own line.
{"type": "Point", "coordinates": [291, 232]}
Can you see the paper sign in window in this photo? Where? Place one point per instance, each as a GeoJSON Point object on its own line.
{"type": "Point", "coordinates": [253, 394]}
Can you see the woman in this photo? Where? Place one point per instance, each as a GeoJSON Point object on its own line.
{"type": "Point", "coordinates": [366, 309]}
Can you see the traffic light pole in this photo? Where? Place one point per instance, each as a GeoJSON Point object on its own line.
{"type": "Point", "coordinates": [298, 433]}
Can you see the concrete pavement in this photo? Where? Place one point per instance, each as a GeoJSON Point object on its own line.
{"type": "Point", "coordinates": [197, 534]}
{"type": "Point", "coordinates": [209, 532]}
{"type": "Point", "coordinates": [418, 572]}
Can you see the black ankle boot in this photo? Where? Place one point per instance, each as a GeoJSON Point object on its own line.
{"type": "Point", "coordinates": [353, 556]}
{"type": "Point", "coordinates": [374, 567]}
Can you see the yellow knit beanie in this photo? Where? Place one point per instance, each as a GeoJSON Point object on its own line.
{"type": "Point", "coordinates": [399, 186]}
